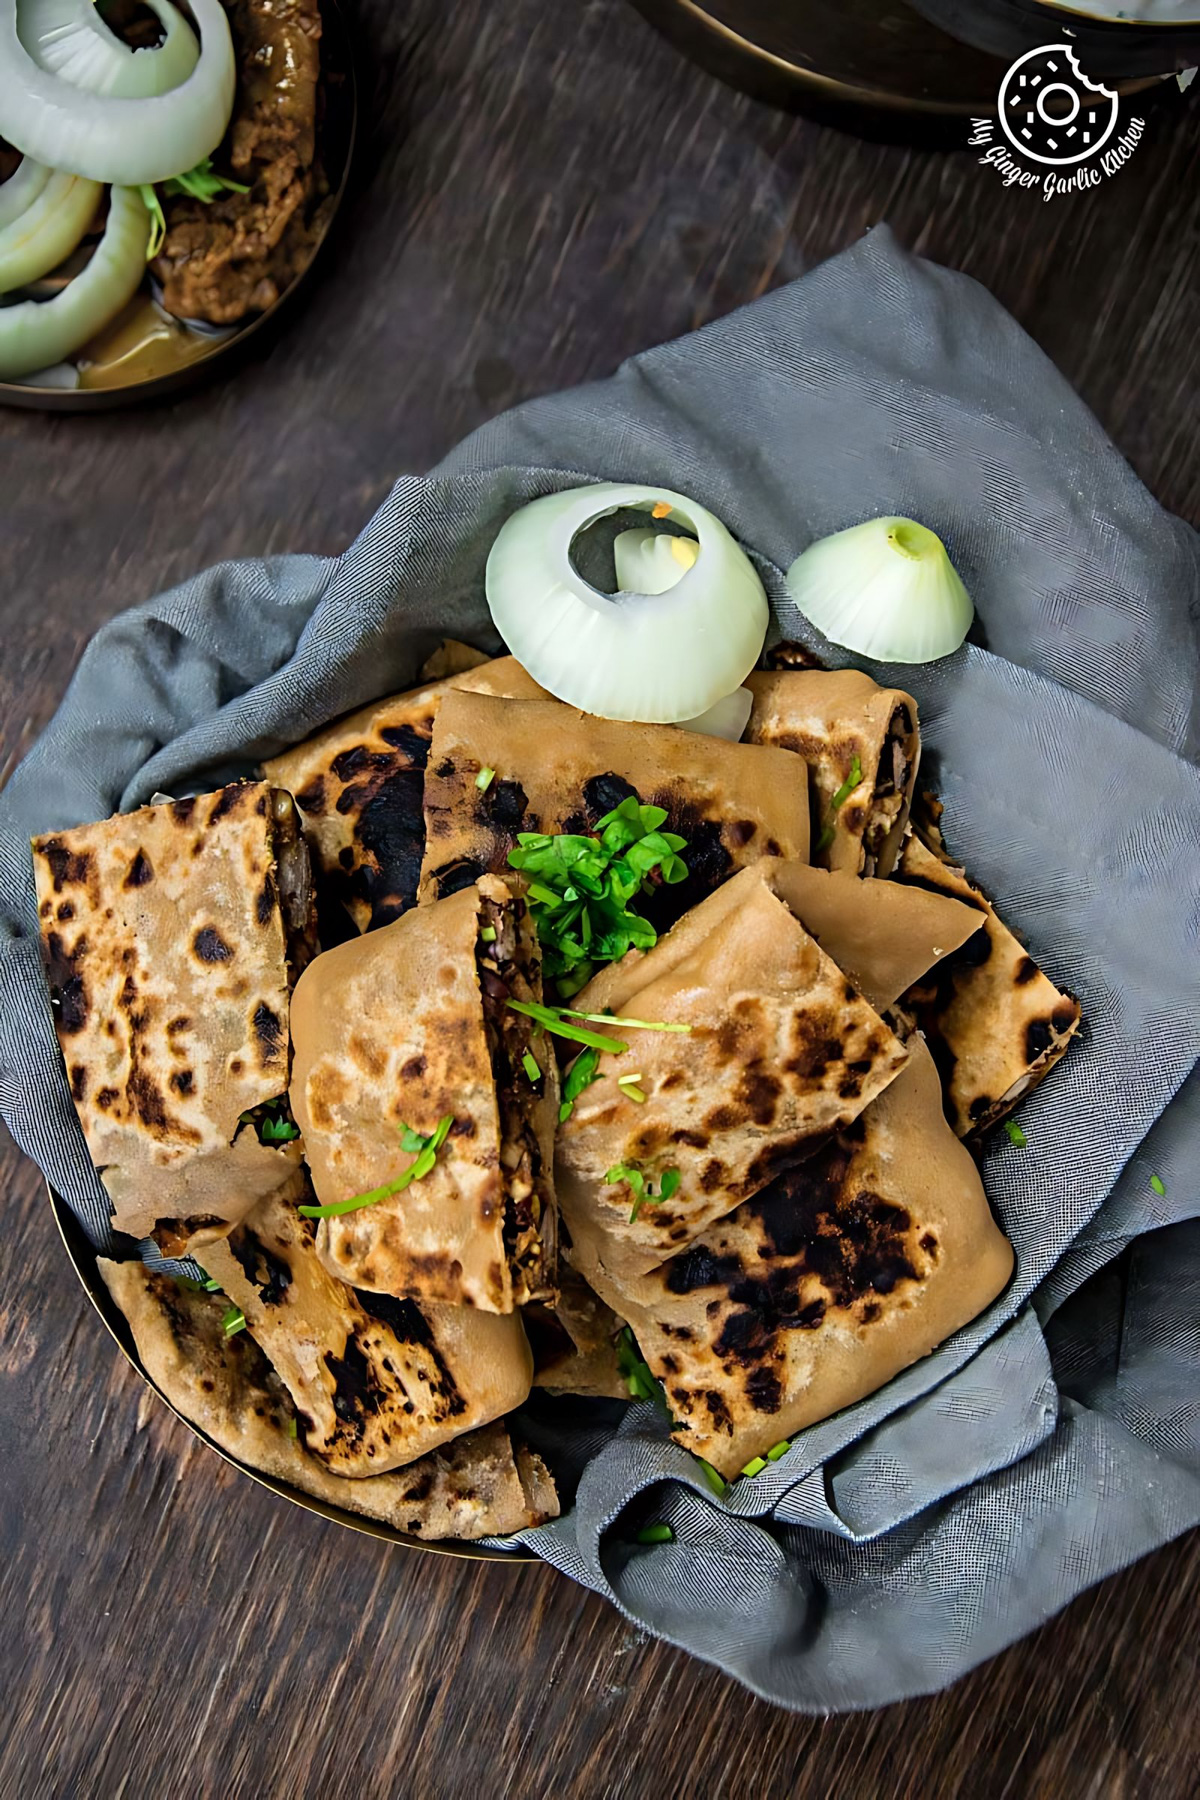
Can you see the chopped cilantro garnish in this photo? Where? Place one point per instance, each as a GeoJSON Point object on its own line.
{"type": "Point", "coordinates": [529, 1063]}
{"type": "Point", "coordinates": [582, 889]}
{"type": "Point", "coordinates": [487, 934]}
{"type": "Point", "coordinates": [484, 779]}
{"type": "Point", "coordinates": [278, 1131]}
{"type": "Point", "coordinates": [582, 1072]}
{"type": "Point", "coordinates": [839, 800]}
{"type": "Point", "coordinates": [755, 1466]}
{"type": "Point", "coordinates": [716, 1482]}
{"type": "Point", "coordinates": [426, 1149]}
{"type": "Point", "coordinates": [234, 1321]}
{"type": "Point", "coordinates": [1158, 1184]}
{"type": "Point", "coordinates": [642, 1383]}
{"type": "Point", "coordinates": [551, 1019]}
{"type": "Point", "coordinates": [660, 1533]}
{"type": "Point", "coordinates": [779, 1449]}
{"type": "Point", "coordinates": [1015, 1133]}
{"type": "Point", "coordinates": [643, 1193]}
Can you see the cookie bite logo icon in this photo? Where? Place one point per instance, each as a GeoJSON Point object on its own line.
{"type": "Point", "coordinates": [1052, 118]}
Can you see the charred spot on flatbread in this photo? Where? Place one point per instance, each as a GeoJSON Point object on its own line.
{"type": "Point", "coordinates": [359, 784]}
{"type": "Point", "coordinates": [994, 1022]}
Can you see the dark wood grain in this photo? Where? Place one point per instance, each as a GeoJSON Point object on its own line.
{"type": "Point", "coordinates": [546, 188]}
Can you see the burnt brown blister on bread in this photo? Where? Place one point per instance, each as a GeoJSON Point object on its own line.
{"type": "Point", "coordinates": [995, 1023]}
{"type": "Point", "coordinates": [359, 784]}
{"type": "Point", "coordinates": [558, 770]}
{"type": "Point", "coordinates": [222, 1382]}
{"type": "Point", "coordinates": [171, 937]}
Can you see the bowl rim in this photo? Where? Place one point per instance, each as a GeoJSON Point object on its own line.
{"type": "Point", "coordinates": [21, 396]}
{"type": "Point", "coordinates": [83, 1256]}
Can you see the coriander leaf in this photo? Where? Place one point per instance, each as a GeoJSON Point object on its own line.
{"type": "Point", "coordinates": [278, 1131]}
{"type": "Point", "coordinates": [582, 1072]}
{"type": "Point", "coordinates": [411, 1140]}
{"type": "Point", "coordinates": [1015, 1133]}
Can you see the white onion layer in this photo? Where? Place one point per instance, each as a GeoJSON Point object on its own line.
{"type": "Point", "coordinates": [47, 231]}
{"type": "Point", "coordinates": [651, 562]}
{"type": "Point", "coordinates": [72, 41]}
{"type": "Point", "coordinates": [36, 333]}
{"type": "Point", "coordinates": [127, 142]}
{"type": "Point", "coordinates": [21, 189]}
{"type": "Point", "coordinates": [727, 719]}
{"type": "Point", "coordinates": [662, 659]}
{"type": "Point", "coordinates": [886, 589]}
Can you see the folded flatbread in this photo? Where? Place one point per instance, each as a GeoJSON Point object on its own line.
{"type": "Point", "coordinates": [995, 1023]}
{"type": "Point", "coordinates": [831, 718]}
{"type": "Point", "coordinates": [837, 1276]}
{"type": "Point", "coordinates": [782, 1050]}
{"type": "Point", "coordinates": [359, 785]}
{"type": "Point", "coordinates": [376, 1382]}
{"type": "Point", "coordinates": [477, 1486]}
{"type": "Point", "coordinates": [171, 939]}
{"type": "Point", "coordinates": [402, 1027]}
{"type": "Point", "coordinates": [561, 770]}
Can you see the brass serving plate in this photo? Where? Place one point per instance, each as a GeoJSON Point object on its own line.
{"type": "Point", "coordinates": [873, 67]}
{"type": "Point", "coordinates": [188, 357]}
{"type": "Point", "coordinates": [83, 1261]}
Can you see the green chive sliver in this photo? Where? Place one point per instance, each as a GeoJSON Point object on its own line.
{"type": "Point", "coordinates": [778, 1450]}
{"type": "Point", "coordinates": [553, 1023]}
{"type": "Point", "coordinates": [715, 1481]}
{"type": "Point", "coordinates": [234, 1321]}
{"type": "Point", "coordinates": [629, 1024]}
{"type": "Point", "coordinates": [755, 1466]}
{"type": "Point", "coordinates": [487, 934]}
{"type": "Point", "coordinates": [529, 1063]}
{"type": "Point", "coordinates": [1016, 1135]}
{"type": "Point", "coordinates": [1158, 1184]}
{"type": "Point", "coordinates": [655, 1534]}
{"type": "Point", "coordinates": [422, 1165]}
{"type": "Point", "coordinates": [292, 1428]}
{"type": "Point", "coordinates": [839, 800]}
{"type": "Point", "coordinates": [484, 779]}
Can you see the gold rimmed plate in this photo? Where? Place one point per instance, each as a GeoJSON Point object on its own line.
{"type": "Point", "coordinates": [145, 354]}
{"type": "Point", "coordinates": [83, 1261]}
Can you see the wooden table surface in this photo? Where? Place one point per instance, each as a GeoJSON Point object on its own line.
{"type": "Point", "coordinates": [546, 188]}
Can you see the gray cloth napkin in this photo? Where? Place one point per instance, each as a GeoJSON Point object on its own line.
{"type": "Point", "coordinates": [1058, 1437]}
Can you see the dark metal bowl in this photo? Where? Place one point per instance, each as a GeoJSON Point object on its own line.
{"type": "Point", "coordinates": [83, 1260]}
{"type": "Point", "coordinates": [878, 68]}
{"type": "Point", "coordinates": [1109, 48]}
{"type": "Point", "coordinates": [338, 130]}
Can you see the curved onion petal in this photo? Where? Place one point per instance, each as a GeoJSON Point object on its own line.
{"type": "Point", "coordinates": [727, 719]}
{"type": "Point", "coordinates": [21, 189]}
{"type": "Point", "coordinates": [127, 142]}
{"type": "Point", "coordinates": [71, 40]}
{"type": "Point", "coordinates": [48, 231]}
{"type": "Point", "coordinates": [36, 333]}
{"type": "Point", "coordinates": [651, 562]}
{"type": "Point", "coordinates": [661, 659]}
{"type": "Point", "coordinates": [886, 589]}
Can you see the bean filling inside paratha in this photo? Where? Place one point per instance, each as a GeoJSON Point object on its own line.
{"type": "Point", "coordinates": [505, 959]}
{"type": "Point", "coordinates": [891, 786]}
